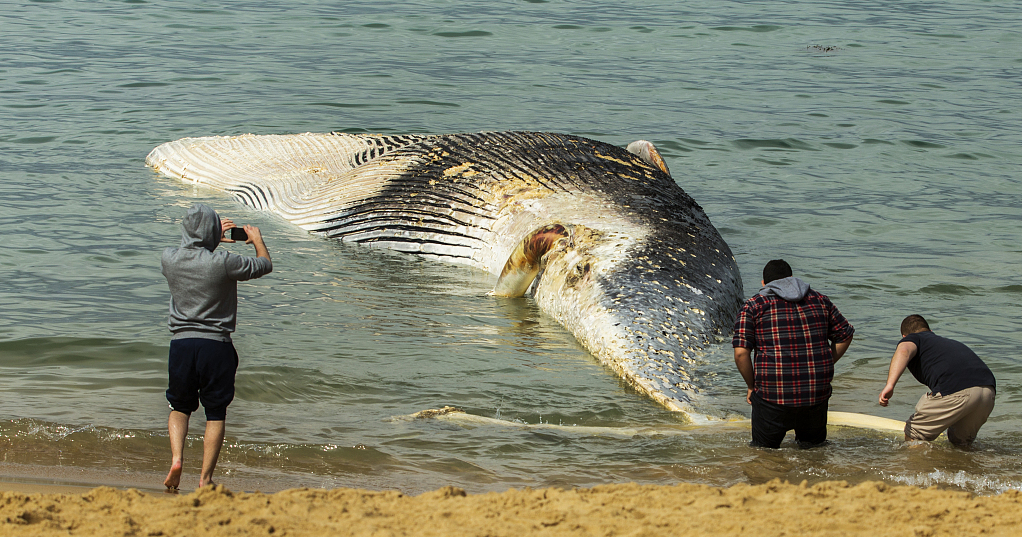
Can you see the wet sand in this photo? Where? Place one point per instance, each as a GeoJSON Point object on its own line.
{"type": "Point", "coordinates": [775, 508]}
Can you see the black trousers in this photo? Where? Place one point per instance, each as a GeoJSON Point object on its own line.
{"type": "Point", "coordinates": [202, 370]}
{"type": "Point", "coordinates": [770, 422]}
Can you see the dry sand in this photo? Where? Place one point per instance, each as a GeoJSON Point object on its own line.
{"type": "Point", "coordinates": [776, 508]}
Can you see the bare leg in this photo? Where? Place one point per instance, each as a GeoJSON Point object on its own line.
{"type": "Point", "coordinates": [177, 426]}
{"type": "Point", "coordinates": [211, 444]}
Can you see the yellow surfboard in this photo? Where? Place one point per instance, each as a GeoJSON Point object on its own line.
{"type": "Point", "coordinates": [456, 415]}
{"type": "Point", "coordinates": [864, 421]}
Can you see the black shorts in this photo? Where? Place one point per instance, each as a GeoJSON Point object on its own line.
{"type": "Point", "coordinates": [770, 422]}
{"type": "Point", "coordinates": [202, 370]}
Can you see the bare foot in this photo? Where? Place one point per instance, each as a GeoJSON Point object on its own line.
{"type": "Point", "coordinates": [173, 480]}
{"type": "Point", "coordinates": [207, 483]}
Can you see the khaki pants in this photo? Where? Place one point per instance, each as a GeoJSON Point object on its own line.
{"type": "Point", "coordinates": [961, 413]}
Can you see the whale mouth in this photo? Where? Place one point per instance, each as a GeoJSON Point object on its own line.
{"type": "Point", "coordinates": [601, 237]}
{"type": "Point", "coordinates": [526, 261]}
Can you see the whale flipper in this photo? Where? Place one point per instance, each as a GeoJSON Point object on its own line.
{"type": "Point", "coordinates": [459, 416]}
{"type": "Point", "coordinates": [649, 153]}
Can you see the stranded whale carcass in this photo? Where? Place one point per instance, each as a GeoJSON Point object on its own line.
{"type": "Point", "coordinates": [607, 242]}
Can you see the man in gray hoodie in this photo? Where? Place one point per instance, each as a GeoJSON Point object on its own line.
{"type": "Point", "coordinates": [797, 335]}
{"type": "Point", "coordinates": [203, 313]}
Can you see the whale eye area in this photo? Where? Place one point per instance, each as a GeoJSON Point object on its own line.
{"type": "Point", "coordinates": [579, 273]}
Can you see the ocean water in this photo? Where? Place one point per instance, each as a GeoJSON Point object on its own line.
{"type": "Point", "coordinates": [874, 145]}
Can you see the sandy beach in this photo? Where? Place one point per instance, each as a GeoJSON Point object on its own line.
{"type": "Point", "coordinates": [775, 508]}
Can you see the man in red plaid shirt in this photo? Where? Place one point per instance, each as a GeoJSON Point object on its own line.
{"type": "Point", "coordinates": [798, 335]}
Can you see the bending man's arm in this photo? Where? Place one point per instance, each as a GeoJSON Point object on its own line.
{"type": "Point", "coordinates": [902, 356]}
{"type": "Point", "coordinates": [743, 359]}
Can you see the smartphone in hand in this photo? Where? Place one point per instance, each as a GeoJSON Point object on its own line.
{"type": "Point", "coordinates": [237, 234]}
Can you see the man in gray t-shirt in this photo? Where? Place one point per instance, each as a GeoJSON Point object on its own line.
{"type": "Point", "coordinates": [962, 387]}
{"type": "Point", "coordinates": [203, 314]}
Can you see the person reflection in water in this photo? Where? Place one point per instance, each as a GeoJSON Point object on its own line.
{"type": "Point", "coordinates": [798, 335]}
{"type": "Point", "coordinates": [203, 313]}
{"type": "Point", "coordinates": [962, 387]}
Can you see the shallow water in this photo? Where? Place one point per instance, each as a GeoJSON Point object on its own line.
{"type": "Point", "coordinates": [873, 145]}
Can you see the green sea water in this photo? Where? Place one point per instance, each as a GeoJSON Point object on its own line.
{"type": "Point", "coordinates": [874, 145]}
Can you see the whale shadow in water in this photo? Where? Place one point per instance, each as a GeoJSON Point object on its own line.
{"type": "Point", "coordinates": [602, 237]}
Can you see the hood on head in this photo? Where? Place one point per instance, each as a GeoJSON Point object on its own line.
{"type": "Point", "coordinates": [791, 289]}
{"type": "Point", "coordinates": [201, 228]}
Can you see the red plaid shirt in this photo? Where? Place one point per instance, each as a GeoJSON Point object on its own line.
{"type": "Point", "coordinates": [793, 361]}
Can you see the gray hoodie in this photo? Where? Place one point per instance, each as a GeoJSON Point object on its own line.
{"type": "Point", "coordinates": [791, 289]}
{"type": "Point", "coordinates": [204, 283]}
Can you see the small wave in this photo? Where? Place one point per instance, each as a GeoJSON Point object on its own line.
{"type": "Point", "coordinates": [974, 483]}
{"type": "Point", "coordinates": [946, 289]}
{"type": "Point", "coordinates": [771, 143]}
{"type": "Point", "coordinates": [470, 33]}
{"type": "Point", "coordinates": [30, 429]}
{"type": "Point", "coordinates": [33, 140]}
{"type": "Point", "coordinates": [759, 28]}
